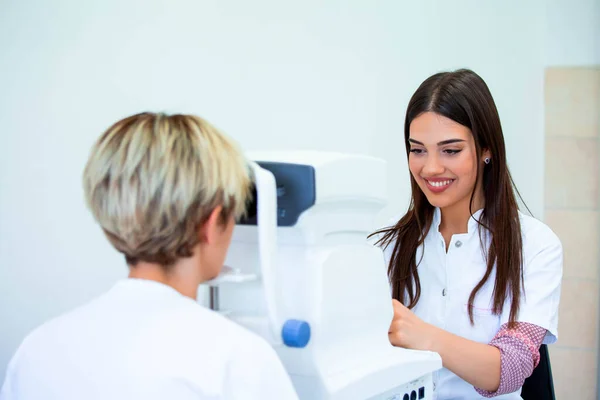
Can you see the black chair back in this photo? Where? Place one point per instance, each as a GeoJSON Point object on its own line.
{"type": "Point", "coordinates": [540, 386]}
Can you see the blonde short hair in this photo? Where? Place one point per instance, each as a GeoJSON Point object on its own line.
{"type": "Point", "coordinates": [152, 179]}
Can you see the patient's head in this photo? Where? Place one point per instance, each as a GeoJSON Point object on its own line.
{"type": "Point", "coordinates": [166, 188]}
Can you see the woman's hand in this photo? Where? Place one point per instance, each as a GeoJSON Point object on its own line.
{"type": "Point", "coordinates": [476, 363]}
{"type": "Point", "coordinates": [409, 331]}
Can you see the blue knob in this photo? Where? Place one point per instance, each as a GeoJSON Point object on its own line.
{"type": "Point", "coordinates": [295, 333]}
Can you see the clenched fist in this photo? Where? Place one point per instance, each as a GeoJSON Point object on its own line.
{"type": "Point", "coordinates": [409, 331]}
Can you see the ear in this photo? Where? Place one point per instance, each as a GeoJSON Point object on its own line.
{"type": "Point", "coordinates": [486, 153]}
{"type": "Point", "coordinates": [210, 229]}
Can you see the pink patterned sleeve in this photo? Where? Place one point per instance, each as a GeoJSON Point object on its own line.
{"type": "Point", "coordinates": [519, 355]}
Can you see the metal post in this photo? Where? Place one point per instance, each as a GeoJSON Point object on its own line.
{"type": "Point", "coordinates": [214, 298]}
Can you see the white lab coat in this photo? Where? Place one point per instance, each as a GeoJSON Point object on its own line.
{"type": "Point", "coordinates": [447, 279]}
{"type": "Point", "coordinates": [144, 340]}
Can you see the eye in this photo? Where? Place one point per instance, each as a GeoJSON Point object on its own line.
{"type": "Point", "coordinates": [452, 152]}
{"type": "Point", "coordinates": [417, 151]}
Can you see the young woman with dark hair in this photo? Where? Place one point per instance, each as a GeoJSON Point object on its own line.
{"type": "Point", "coordinates": [472, 278]}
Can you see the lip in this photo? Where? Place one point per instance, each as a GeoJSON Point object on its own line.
{"type": "Point", "coordinates": [438, 189]}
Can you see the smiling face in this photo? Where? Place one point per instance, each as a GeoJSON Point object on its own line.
{"type": "Point", "coordinates": [443, 161]}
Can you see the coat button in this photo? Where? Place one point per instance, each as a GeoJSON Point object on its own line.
{"type": "Point", "coordinates": [444, 292]}
{"type": "Point", "coordinates": [458, 243]}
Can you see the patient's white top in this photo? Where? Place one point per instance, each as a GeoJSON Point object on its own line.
{"type": "Point", "coordinates": [144, 340]}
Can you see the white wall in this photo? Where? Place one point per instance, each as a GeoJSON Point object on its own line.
{"type": "Point", "coordinates": [572, 33]}
{"type": "Point", "coordinates": [333, 75]}
{"type": "Point", "coordinates": [573, 40]}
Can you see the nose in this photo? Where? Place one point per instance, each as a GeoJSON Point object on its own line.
{"type": "Point", "coordinates": [432, 166]}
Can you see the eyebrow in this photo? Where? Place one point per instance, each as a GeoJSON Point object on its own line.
{"type": "Point", "coordinates": [442, 143]}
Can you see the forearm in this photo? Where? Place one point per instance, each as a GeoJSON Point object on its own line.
{"type": "Point", "coordinates": [476, 363]}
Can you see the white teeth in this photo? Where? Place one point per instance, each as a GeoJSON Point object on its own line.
{"type": "Point", "coordinates": [440, 184]}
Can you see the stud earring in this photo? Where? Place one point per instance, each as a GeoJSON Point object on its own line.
{"type": "Point", "coordinates": [487, 160]}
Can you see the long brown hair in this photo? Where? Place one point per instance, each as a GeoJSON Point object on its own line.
{"type": "Point", "coordinates": [463, 97]}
